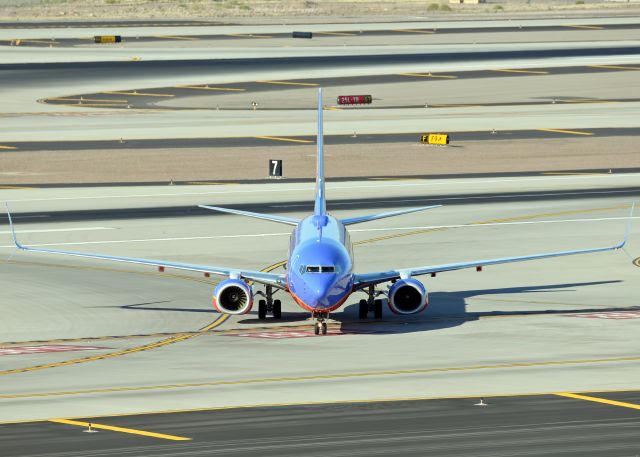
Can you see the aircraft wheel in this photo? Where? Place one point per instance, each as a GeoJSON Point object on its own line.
{"type": "Point", "coordinates": [324, 328]}
{"type": "Point", "coordinates": [377, 309]}
{"type": "Point", "coordinates": [277, 309]}
{"type": "Point", "coordinates": [363, 309]}
{"type": "Point", "coordinates": [262, 309]}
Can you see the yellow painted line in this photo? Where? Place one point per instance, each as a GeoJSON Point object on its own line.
{"type": "Point", "coordinates": [142, 94]}
{"type": "Point", "coordinates": [111, 105]}
{"type": "Point", "coordinates": [288, 83]}
{"type": "Point", "coordinates": [335, 376]}
{"type": "Point", "coordinates": [171, 37]}
{"type": "Point", "coordinates": [574, 132]}
{"type": "Point", "coordinates": [594, 27]}
{"type": "Point", "coordinates": [333, 108]}
{"type": "Point", "coordinates": [277, 138]}
{"type": "Point", "coordinates": [210, 183]}
{"type": "Point", "coordinates": [636, 262]}
{"type": "Point", "coordinates": [131, 431]}
{"type": "Point", "coordinates": [211, 88]}
{"type": "Point", "coordinates": [428, 75]}
{"type": "Point", "coordinates": [426, 32]}
{"type": "Point", "coordinates": [88, 100]}
{"type": "Point", "coordinates": [246, 35]}
{"type": "Point", "coordinates": [561, 213]}
{"type": "Point", "coordinates": [335, 33]}
{"type": "Point", "coordinates": [8, 147]}
{"type": "Point", "coordinates": [563, 173]}
{"type": "Point", "coordinates": [598, 400]}
{"type": "Point", "coordinates": [15, 187]}
{"type": "Point", "coordinates": [36, 41]}
{"type": "Point", "coordinates": [533, 72]}
{"type": "Point", "coordinates": [615, 67]}
{"type": "Point", "coordinates": [453, 105]}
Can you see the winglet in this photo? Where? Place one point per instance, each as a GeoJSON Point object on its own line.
{"type": "Point", "coordinates": [626, 233]}
{"type": "Point", "coordinates": [13, 231]}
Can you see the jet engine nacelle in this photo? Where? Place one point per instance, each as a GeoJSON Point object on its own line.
{"type": "Point", "coordinates": [408, 296]}
{"type": "Point", "coordinates": [233, 296]}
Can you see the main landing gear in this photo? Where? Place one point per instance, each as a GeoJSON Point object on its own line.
{"type": "Point", "coordinates": [269, 305]}
{"type": "Point", "coordinates": [320, 325]}
{"type": "Point", "coordinates": [371, 304]}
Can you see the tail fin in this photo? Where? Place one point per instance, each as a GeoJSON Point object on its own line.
{"type": "Point", "coordinates": [320, 208]}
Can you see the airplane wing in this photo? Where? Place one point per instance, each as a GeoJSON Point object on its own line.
{"type": "Point", "coordinates": [367, 279]}
{"type": "Point", "coordinates": [271, 279]}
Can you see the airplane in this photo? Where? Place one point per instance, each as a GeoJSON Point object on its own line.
{"type": "Point", "coordinates": [320, 273]}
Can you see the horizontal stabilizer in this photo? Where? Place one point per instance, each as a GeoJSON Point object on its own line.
{"type": "Point", "coordinates": [268, 217]}
{"type": "Point", "coordinates": [373, 217]}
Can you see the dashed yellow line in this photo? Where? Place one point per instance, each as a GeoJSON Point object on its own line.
{"type": "Point", "coordinates": [428, 75]}
{"type": "Point", "coordinates": [141, 94]}
{"type": "Point", "coordinates": [287, 83]}
{"type": "Point", "coordinates": [15, 187]}
{"type": "Point", "coordinates": [614, 67]}
{"type": "Point", "coordinates": [534, 72]}
{"type": "Point", "coordinates": [230, 89]}
{"type": "Point", "coordinates": [594, 27]}
{"type": "Point", "coordinates": [364, 374]}
{"type": "Point", "coordinates": [573, 132]}
{"type": "Point", "coordinates": [426, 32]}
{"type": "Point", "coordinates": [172, 37]}
{"type": "Point", "coordinates": [598, 400]}
{"type": "Point", "coordinates": [112, 428]}
{"type": "Point", "coordinates": [8, 147]}
{"type": "Point", "coordinates": [277, 138]}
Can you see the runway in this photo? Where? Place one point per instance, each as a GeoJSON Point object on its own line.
{"type": "Point", "coordinates": [543, 157]}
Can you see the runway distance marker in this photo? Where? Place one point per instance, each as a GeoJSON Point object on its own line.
{"type": "Point", "coordinates": [112, 428]}
{"type": "Point", "coordinates": [598, 400]}
{"type": "Point", "coordinates": [573, 132]}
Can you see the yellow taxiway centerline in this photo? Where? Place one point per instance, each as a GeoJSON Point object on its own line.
{"type": "Point", "coordinates": [573, 132]}
{"type": "Point", "coordinates": [427, 75]}
{"type": "Point", "coordinates": [277, 138]}
{"type": "Point", "coordinates": [335, 33]}
{"type": "Point", "coordinates": [287, 83]}
{"type": "Point", "coordinates": [614, 67]}
{"type": "Point", "coordinates": [142, 94]}
{"type": "Point", "coordinates": [599, 400]}
{"type": "Point", "coordinates": [7, 147]}
{"type": "Point", "coordinates": [112, 428]}
{"type": "Point", "coordinates": [245, 35]}
{"type": "Point", "coordinates": [593, 27]}
{"type": "Point", "coordinates": [533, 72]}
{"type": "Point", "coordinates": [426, 32]}
{"type": "Point", "coordinates": [107, 100]}
{"type": "Point", "coordinates": [171, 37]}
{"type": "Point", "coordinates": [211, 88]}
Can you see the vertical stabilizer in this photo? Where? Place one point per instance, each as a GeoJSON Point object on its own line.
{"type": "Point", "coordinates": [320, 208]}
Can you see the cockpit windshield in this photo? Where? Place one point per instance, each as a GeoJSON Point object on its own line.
{"type": "Point", "coordinates": [320, 269]}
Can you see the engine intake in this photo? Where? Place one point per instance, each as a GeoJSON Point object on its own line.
{"type": "Point", "coordinates": [233, 296]}
{"type": "Point", "coordinates": [408, 296]}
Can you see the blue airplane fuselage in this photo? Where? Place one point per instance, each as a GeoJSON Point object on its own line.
{"type": "Point", "coordinates": [320, 268]}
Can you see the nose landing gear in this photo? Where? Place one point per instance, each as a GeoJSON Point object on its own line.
{"type": "Point", "coordinates": [320, 326]}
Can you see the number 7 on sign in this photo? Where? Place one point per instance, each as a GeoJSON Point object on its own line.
{"type": "Point", "coordinates": [275, 168]}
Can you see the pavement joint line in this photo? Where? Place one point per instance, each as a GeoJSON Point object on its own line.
{"type": "Point", "coordinates": [141, 94]}
{"type": "Point", "coordinates": [112, 428]}
{"type": "Point", "coordinates": [230, 89]}
{"type": "Point", "coordinates": [598, 400]}
{"type": "Point", "coordinates": [334, 376]}
{"type": "Point", "coordinates": [509, 70]}
{"type": "Point", "coordinates": [278, 138]}
{"type": "Point", "coordinates": [573, 132]}
{"type": "Point", "coordinates": [287, 83]}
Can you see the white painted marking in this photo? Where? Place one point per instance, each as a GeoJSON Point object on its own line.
{"type": "Point", "coordinates": [310, 186]}
{"type": "Point", "coordinates": [388, 229]}
{"type": "Point", "coordinates": [77, 229]}
{"type": "Point", "coordinates": [21, 350]}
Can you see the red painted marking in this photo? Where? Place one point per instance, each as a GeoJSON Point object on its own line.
{"type": "Point", "coordinates": [609, 315]}
{"type": "Point", "coordinates": [21, 350]}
